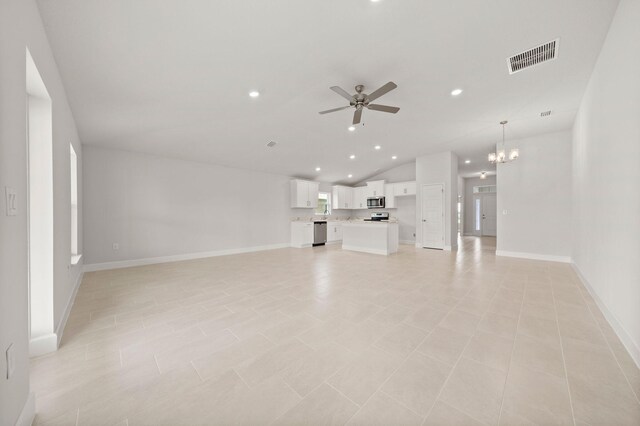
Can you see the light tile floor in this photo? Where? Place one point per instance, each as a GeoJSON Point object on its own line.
{"type": "Point", "coordinates": [325, 336]}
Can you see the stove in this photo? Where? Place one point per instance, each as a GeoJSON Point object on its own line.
{"type": "Point", "coordinates": [379, 216]}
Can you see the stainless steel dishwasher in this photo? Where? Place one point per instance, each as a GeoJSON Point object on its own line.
{"type": "Point", "coordinates": [319, 233]}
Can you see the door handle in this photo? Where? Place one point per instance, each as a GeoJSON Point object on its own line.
{"type": "Point", "coordinates": [423, 220]}
{"type": "Point", "coordinates": [484, 217]}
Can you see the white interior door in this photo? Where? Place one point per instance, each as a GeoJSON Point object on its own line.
{"type": "Point", "coordinates": [433, 216]}
{"type": "Point", "coordinates": [489, 208]}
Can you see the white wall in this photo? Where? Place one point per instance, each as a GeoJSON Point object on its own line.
{"type": "Point", "coordinates": [535, 190]}
{"type": "Point", "coordinates": [439, 168]}
{"type": "Point", "coordinates": [606, 178]}
{"type": "Point", "coordinates": [468, 210]}
{"type": "Point", "coordinates": [403, 173]}
{"type": "Point", "coordinates": [21, 27]}
{"type": "Point", "coordinates": [155, 207]}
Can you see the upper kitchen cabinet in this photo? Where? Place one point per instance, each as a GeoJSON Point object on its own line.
{"type": "Point", "coordinates": [342, 197]}
{"type": "Point", "coordinates": [389, 198]}
{"type": "Point", "coordinates": [304, 194]}
{"type": "Point", "coordinates": [375, 188]}
{"type": "Point", "coordinates": [360, 197]}
{"type": "Point", "coordinates": [404, 188]}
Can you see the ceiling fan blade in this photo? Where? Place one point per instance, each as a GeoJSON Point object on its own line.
{"type": "Point", "coordinates": [357, 116]}
{"type": "Point", "coordinates": [334, 110]}
{"type": "Point", "coordinates": [383, 108]}
{"type": "Point", "coordinates": [340, 91]}
{"type": "Point", "coordinates": [381, 91]}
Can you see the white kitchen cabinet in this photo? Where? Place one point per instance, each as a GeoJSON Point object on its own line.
{"type": "Point", "coordinates": [389, 198]}
{"type": "Point", "coordinates": [375, 188]}
{"type": "Point", "coordinates": [404, 188]}
{"type": "Point", "coordinates": [334, 232]}
{"type": "Point", "coordinates": [301, 234]}
{"type": "Point", "coordinates": [304, 194]}
{"type": "Point", "coordinates": [360, 197]}
{"type": "Point", "coordinates": [342, 198]}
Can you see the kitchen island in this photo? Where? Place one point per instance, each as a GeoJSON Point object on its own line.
{"type": "Point", "coordinates": [376, 237]}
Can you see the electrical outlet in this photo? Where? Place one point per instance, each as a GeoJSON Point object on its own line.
{"type": "Point", "coordinates": [116, 246]}
{"type": "Point", "coordinates": [504, 211]}
{"type": "Point", "coordinates": [11, 361]}
{"type": "Point", "coordinates": [10, 201]}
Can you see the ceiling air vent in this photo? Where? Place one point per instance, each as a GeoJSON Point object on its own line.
{"type": "Point", "coordinates": [271, 144]}
{"type": "Point", "coordinates": [545, 113]}
{"type": "Point", "coordinates": [537, 55]}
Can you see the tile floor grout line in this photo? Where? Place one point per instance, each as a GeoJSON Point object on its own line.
{"type": "Point", "coordinates": [339, 391]}
{"type": "Point", "coordinates": [564, 361]}
{"type": "Point", "coordinates": [513, 349]}
{"type": "Point", "coordinates": [289, 386]}
{"type": "Point", "coordinates": [444, 384]}
{"type": "Point", "coordinates": [609, 346]}
{"type": "Point", "coordinates": [157, 365]}
{"type": "Point", "coordinates": [405, 360]}
{"type": "Point", "coordinates": [77, 416]}
{"type": "Point", "coordinates": [402, 404]}
{"type": "Point", "coordinates": [197, 372]}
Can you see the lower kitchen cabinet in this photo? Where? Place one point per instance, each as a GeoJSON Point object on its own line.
{"type": "Point", "coordinates": [334, 232]}
{"type": "Point", "coordinates": [301, 234]}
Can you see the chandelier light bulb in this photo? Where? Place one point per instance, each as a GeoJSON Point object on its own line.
{"type": "Point", "coordinates": [500, 156]}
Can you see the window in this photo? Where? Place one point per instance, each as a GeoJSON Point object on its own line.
{"type": "Point", "coordinates": [74, 205]}
{"type": "Point", "coordinates": [324, 204]}
{"type": "Point", "coordinates": [478, 212]}
{"type": "Point", "coordinates": [484, 189]}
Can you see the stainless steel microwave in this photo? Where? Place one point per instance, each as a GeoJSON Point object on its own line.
{"type": "Point", "coordinates": [375, 202]}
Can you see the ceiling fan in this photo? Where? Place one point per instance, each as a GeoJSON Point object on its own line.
{"type": "Point", "coordinates": [360, 100]}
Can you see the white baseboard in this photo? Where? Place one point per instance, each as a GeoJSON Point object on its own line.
{"type": "Point", "coordinates": [534, 256]}
{"type": "Point", "coordinates": [178, 257]}
{"type": "Point", "coordinates": [28, 413]}
{"type": "Point", "coordinates": [43, 345]}
{"type": "Point", "coordinates": [67, 309]}
{"type": "Point", "coordinates": [410, 242]}
{"type": "Point", "coordinates": [618, 328]}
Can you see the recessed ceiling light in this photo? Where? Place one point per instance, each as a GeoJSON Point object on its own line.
{"type": "Point", "coordinates": [352, 156]}
{"type": "Point", "coordinates": [393, 157]}
{"type": "Point", "coordinates": [456, 92]}
{"type": "Point", "coordinates": [254, 94]}
{"type": "Point", "coordinates": [375, 1]}
{"type": "Point", "coordinates": [377, 147]}
{"type": "Point", "coordinates": [318, 169]}
{"type": "Point", "coordinates": [467, 161]}
{"type": "Point", "coordinates": [352, 128]}
{"type": "Point", "coordinates": [350, 176]}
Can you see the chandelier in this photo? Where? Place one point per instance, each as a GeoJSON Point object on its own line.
{"type": "Point", "coordinates": [500, 156]}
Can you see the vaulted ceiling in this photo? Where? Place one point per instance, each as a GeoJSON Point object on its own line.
{"type": "Point", "coordinates": [172, 77]}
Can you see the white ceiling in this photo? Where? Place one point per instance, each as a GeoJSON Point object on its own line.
{"type": "Point", "coordinates": [171, 77]}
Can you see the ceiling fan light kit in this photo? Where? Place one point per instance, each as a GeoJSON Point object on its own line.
{"type": "Point", "coordinates": [361, 100]}
{"type": "Point", "coordinates": [500, 155]}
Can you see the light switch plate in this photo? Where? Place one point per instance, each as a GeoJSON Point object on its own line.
{"type": "Point", "coordinates": [11, 361]}
{"type": "Point", "coordinates": [10, 201]}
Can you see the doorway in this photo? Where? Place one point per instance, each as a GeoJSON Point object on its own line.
{"type": "Point", "coordinates": [42, 337]}
{"type": "Point", "coordinates": [433, 216]}
{"type": "Point", "coordinates": [485, 217]}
